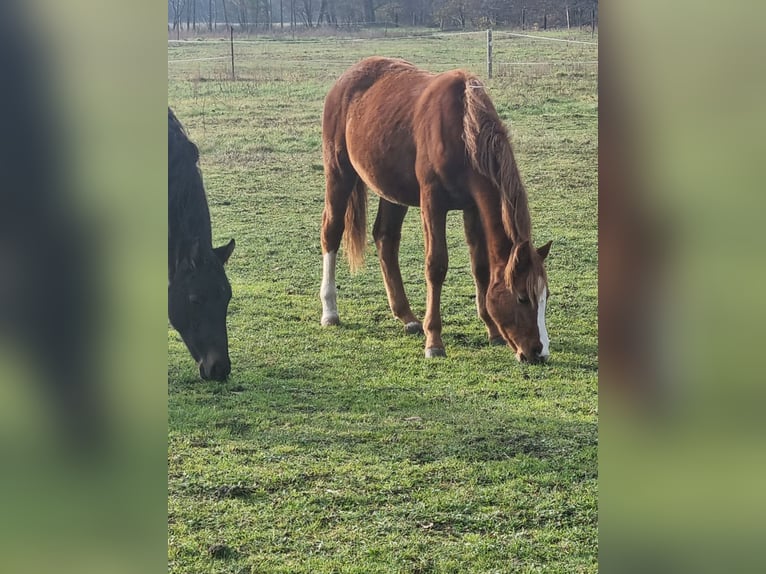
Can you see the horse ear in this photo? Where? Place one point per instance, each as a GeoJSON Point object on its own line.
{"type": "Point", "coordinates": [544, 250]}
{"type": "Point", "coordinates": [224, 252]}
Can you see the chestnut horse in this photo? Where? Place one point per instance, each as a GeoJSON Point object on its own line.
{"type": "Point", "coordinates": [433, 141]}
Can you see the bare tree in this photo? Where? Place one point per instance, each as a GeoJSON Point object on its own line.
{"type": "Point", "coordinates": [225, 13]}
{"type": "Point", "coordinates": [307, 13]}
{"type": "Point", "coordinates": [327, 11]}
{"type": "Point", "coordinates": [369, 11]}
{"type": "Point", "coordinates": [177, 8]}
{"type": "Point", "coordinates": [322, 10]}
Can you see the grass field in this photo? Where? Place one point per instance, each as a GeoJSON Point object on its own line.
{"type": "Point", "coordinates": [344, 449]}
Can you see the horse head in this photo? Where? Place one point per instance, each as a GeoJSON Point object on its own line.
{"type": "Point", "coordinates": [517, 304]}
{"type": "Point", "coordinates": [198, 299]}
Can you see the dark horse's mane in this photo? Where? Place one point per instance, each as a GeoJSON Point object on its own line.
{"type": "Point", "coordinates": [188, 213]}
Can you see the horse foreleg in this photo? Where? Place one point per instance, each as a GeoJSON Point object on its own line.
{"type": "Point", "coordinates": [387, 232]}
{"type": "Point", "coordinates": [435, 232]}
{"type": "Point", "coordinates": [477, 245]}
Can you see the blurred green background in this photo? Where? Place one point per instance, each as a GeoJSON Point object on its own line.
{"type": "Point", "coordinates": [680, 479]}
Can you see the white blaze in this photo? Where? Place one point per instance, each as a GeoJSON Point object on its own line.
{"type": "Point", "coordinates": [541, 322]}
{"type": "Point", "coordinates": [328, 292]}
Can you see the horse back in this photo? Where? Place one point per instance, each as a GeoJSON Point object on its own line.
{"type": "Point", "coordinates": [396, 126]}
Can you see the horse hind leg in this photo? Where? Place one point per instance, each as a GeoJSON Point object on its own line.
{"type": "Point", "coordinates": [328, 292]}
{"type": "Point", "coordinates": [339, 186]}
{"type": "Point", "coordinates": [387, 233]}
{"type": "Point", "coordinates": [477, 245]}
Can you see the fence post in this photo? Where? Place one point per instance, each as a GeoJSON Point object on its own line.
{"type": "Point", "coordinates": [592, 21]}
{"type": "Point", "coordinates": [231, 36]}
{"type": "Point", "coordinates": [489, 54]}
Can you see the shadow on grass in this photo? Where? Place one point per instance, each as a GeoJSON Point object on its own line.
{"type": "Point", "coordinates": [415, 421]}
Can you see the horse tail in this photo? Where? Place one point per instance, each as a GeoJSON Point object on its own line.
{"type": "Point", "coordinates": [355, 234]}
{"type": "Point", "coordinates": [491, 155]}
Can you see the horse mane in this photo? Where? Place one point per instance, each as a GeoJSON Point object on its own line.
{"type": "Point", "coordinates": [491, 154]}
{"type": "Point", "coordinates": [489, 149]}
{"type": "Point", "coordinates": [188, 212]}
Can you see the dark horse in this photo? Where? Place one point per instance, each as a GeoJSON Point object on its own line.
{"type": "Point", "coordinates": [198, 290]}
{"type": "Point", "coordinates": [434, 141]}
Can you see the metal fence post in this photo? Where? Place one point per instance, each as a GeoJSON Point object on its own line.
{"type": "Point", "coordinates": [489, 54]}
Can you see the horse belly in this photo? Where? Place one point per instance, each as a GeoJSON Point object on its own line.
{"type": "Point", "coordinates": [386, 168]}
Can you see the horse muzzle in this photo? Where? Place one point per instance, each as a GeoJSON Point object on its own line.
{"type": "Point", "coordinates": [215, 368]}
{"type": "Point", "coordinates": [535, 355]}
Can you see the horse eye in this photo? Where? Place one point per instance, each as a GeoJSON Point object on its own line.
{"type": "Point", "coordinates": [522, 299]}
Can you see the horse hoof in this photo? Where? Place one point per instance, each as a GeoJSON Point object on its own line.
{"type": "Point", "coordinates": [328, 320]}
{"type": "Point", "coordinates": [497, 342]}
{"type": "Point", "coordinates": [414, 328]}
{"type": "Point", "coordinates": [433, 352]}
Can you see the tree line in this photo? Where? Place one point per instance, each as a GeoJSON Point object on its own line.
{"type": "Point", "coordinates": [253, 15]}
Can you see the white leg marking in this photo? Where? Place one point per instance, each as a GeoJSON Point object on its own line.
{"type": "Point", "coordinates": [328, 292]}
{"type": "Point", "coordinates": [541, 323]}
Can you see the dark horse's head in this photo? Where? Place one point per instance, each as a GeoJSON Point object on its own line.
{"type": "Point", "coordinates": [198, 290]}
{"type": "Point", "coordinates": [198, 299]}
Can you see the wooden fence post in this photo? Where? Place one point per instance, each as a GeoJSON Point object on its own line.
{"type": "Point", "coordinates": [489, 54]}
{"type": "Point", "coordinates": [231, 36]}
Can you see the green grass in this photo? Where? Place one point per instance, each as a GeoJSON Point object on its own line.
{"type": "Point", "coordinates": [343, 449]}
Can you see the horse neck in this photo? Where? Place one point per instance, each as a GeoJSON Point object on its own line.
{"type": "Point", "coordinates": [503, 227]}
{"type": "Point", "coordinates": [516, 218]}
{"type": "Point", "coordinates": [499, 247]}
{"type": "Point", "coordinates": [188, 221]}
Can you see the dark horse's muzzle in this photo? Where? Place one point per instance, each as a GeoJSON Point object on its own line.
{"type": "Point", "coordinates": [216, 369]}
